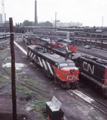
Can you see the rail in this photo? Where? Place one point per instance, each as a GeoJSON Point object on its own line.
{"type": "Point", "coordinates": [4, 35]}
{"type": "Point", "coordinates": [102, 108]}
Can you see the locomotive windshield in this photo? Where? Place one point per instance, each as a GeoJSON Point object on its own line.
{"type": "Point", "coordinates": [61, 65]}
{"type": "Point", "coordinates": [71, 64]}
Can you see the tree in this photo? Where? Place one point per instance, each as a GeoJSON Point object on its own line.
{"type": "Point", "coordinates": [45, 24]}
{"type": "Point", "coordinates": [28, 23]}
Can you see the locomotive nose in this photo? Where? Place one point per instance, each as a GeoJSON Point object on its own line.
{"type": "Point", "coordinates": [72, 70]}
{"type": "Point", "coordinates": [73, 74]}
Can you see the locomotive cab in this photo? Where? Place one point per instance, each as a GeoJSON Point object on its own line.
{"type": "Point", "coordinates": [67, 73]}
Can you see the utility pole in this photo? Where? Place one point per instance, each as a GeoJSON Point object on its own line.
{"type": "Point", "coordinates": [13, 70]}
{"type": "Point", "coordinates": [102, 21]}
{"type": "Point", "coordinates": [36, 21]}
{"type": "Point", "coordinates": [55, 20]}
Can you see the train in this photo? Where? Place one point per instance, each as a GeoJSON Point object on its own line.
{"type": "Point", "coordinates": [90, 67]}
{"type": "Point", "coordinates": [94, 69]}
{"type": "Point", "coordinates": [63, 43]}
{"type": "Point", "coordinates": [63, 71]}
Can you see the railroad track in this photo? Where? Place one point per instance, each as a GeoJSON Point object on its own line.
{"type": "Point", "coordinates": [102, 108]}
{"type": "Point", "coordinates": [23, 83]}
{"type": "Point", "coordinates": [3, 41]}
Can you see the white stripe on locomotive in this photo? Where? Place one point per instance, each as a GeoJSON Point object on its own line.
{"type": "Point", "coordinates": [34, 57]}
{"type": "Point", "coordinates": [29, 53]}
{"type": "Point", "coordinates": [44, 64]}
{"type": "Point", "coordinates": [50, 68]}
{"type": "Point", "coordinates": [40, 62]}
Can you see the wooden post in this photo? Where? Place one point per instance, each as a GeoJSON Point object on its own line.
{"type": "Point", "coordinates": [90, 40]}
{"type": "Point", "coordinates": [96, 42]}
{"type": "Point", "coordinates": [101, 42]}
{"type": "Point", "coordinates": [13, 69]}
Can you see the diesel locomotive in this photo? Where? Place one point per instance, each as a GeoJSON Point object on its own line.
{"type": "Point", "coordinates": [55, 66]}
{"type": "Point", "coordinates": [67, 44]}
{"type": "Point", "coordinates": [94, 69]}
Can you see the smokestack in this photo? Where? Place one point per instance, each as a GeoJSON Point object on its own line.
{"type": "Point", "coordinates": [3, 12]}
{"type": "Point", "coordinates": [36, 23]}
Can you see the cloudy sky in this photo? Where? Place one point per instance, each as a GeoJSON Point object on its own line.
{"type": "Point", "coordinates": [88, 12]}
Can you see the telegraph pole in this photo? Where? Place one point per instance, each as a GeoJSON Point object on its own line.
{"type": "Point", "coordinates": [13, 70]}
{"type": "Point", "coordinates": [55, 20]}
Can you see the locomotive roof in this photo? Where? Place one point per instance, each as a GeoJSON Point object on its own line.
{"type": "Point", "coordinates": [66, 41]}
{"type": "Point", "coordinates": [44, 39]}
{"type": "Point", "coordinates": [95, 60]}
{"type": "Point", "coordinates": [60, 51]}
{"type": "Point", "coordinates": [91, 59]}
{"type": "Point", "coordinates": [53, 57]}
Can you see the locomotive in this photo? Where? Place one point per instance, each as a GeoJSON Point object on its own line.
{"type": "Point", "coordinates": [63, 43]}
{"type": "Point", "coordinates": [94, 69]}
{"type": "Point", "coordinates": [55, 66]}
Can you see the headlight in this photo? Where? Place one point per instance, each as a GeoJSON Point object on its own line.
{"type": "Point", "coordinates": [64, 74]}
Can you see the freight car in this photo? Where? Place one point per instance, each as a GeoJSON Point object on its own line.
{"type": "Point", "coordinates": [55, 66]}
{"type": "Point", "coordinates": [94, 69]}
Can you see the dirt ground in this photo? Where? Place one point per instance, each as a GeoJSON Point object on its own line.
{"type": "Point", "coordinates": [34, 89]}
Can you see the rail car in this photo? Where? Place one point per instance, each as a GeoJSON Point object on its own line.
{"type": "Point", "coordinates": [56, 49]}
{"type": "Point", "coordinates": [55, 66]}
{"type": "Point", "coordinates": [63, 43]}
{"type": "Point", "coordinates": [90, 67]}
{"type": "Point", "coordinates": [94, 69]}
{"type": "Point", "coordinates": [30, 39]}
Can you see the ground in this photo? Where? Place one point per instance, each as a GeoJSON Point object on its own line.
{"type": "Point", "coordinates": [33, 89]}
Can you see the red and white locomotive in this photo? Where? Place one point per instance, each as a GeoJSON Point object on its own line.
{"type": "Point", "coordinates": [63, 71]}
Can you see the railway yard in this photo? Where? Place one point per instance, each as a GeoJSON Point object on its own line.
{"type": "Point", "coordinates": [34, 88]}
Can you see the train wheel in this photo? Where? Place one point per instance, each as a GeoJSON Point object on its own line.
{"type": "Point", "coordinates": [55, 80]}
{"type": "Point", "coordinates": [96, 88]}
{"type": "Point", "coordinates": [65, 85]}
{"type": "Point", "coordinates": [105, 95]}
{"type": "Point", "coordinates": [74, 86]}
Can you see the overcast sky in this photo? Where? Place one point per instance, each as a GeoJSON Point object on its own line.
{"type": "Point", "coordinates": [88, 12]}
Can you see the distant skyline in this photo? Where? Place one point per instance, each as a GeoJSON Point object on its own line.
{"type": "Point", "coordinates": [88, 12]}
